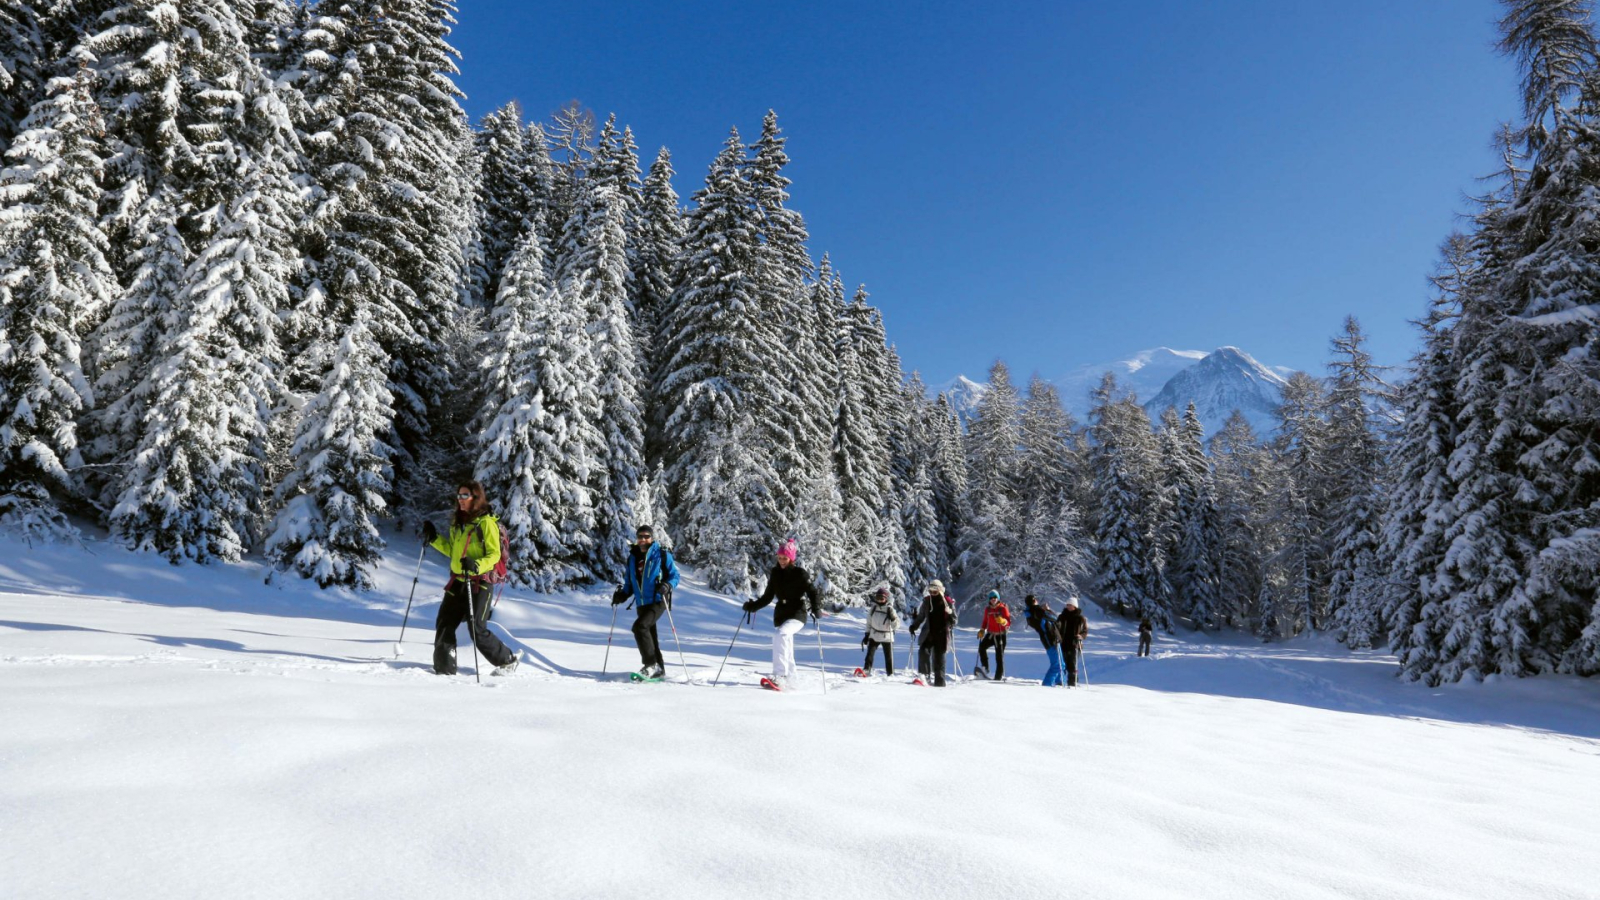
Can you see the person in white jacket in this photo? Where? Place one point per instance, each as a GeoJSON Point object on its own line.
{"type": "Point", "coordinates": [882, 622]}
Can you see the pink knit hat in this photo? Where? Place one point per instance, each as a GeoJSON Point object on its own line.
{"type": "Point", "coordinates": [788, 550]}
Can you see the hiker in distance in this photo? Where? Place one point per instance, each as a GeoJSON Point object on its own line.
{"type": "Point", "coordinates": [649, 576]}
{"type": "Point", "coordinates": [936, 619]}
{"type": "Point", "coordinates": [996, 622]}
{"type": "Point", "coordinates": [1144, 635]}
{"type": "Point", "coordinates": [1040, 619]}
{"type": "Point", "coordinates": [1073, 628]}
{"type": "Point", "coordinates": [792, 587]}
{"type": "Point", "coordinates": [882, 623]}
{"type": "Point", "coordinates": [473, 546]}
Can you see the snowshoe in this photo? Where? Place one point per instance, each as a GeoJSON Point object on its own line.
{"type": "Point", "coordinates": [919, 682]}
{"type": "Point", "coordinates": [771, 685]}
{"type": "Point", "coordinates": [508, 668]}
{"type": "Point", "coordinates": [641, 678]}
{"type": "Point", "coordinates": [980, 675]}
{"type": "Point", "coordinates": [861, 673]}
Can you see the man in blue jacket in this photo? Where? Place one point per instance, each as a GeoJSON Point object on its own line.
{"type": "Point", "coordinates": [650, 576]}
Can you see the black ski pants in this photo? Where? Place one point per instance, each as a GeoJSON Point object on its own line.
{"type": "Point", "coordinates": [888, 655]}
{"type": "Point", "coordinates": [451, 613]}
{"type": "Point", "coordinates": [1069, 661]}
{"type": "Point", "coordinates": [998, 642]}
{"type": "Point", "coordinates": [1144, 645]}
{"type": "Point", "coordinates": [644, 633]}
{"type": "Point", "coordinates": [930, 661]}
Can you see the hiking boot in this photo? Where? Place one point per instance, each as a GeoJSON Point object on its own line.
{"type": "Point", "coordinates": [508, 668]}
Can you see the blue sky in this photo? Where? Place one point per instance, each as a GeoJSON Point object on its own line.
{"type": "Point", "coordinates": [1063, 183]}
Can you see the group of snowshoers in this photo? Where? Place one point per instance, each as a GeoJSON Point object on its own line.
{"type": "Point", "coordinates": [477, 561]}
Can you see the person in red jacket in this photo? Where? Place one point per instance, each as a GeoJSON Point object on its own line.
{"type": "Point", "coordinates": [996, 622]}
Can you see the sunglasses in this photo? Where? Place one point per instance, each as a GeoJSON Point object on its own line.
{"type": "Point", "coordinates": [463, 496]}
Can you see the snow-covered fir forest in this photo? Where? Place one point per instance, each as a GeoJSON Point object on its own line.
{"type": "Point", "coordinates": [265, 288]}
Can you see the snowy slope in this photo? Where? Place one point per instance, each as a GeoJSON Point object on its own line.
{"type": "Point", "coordinates": [188, 732]}
{"type": "Point", "coordinates": [1226, 380]}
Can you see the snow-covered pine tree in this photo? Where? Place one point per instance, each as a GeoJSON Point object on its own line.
{"type": "Point", "coordinates": [991, 542]}
{"type": "Point", "coordinates": [390, 228]}
{"type": "Point", "coordinates": [54, 281]}
{"type": "Point", "coordinates": [782, 265]}
{"type": "Point", "coordinates": [949, 473]}
{"type": "Point", "coordinates": [1129, 505]}
{"type": "Point", "coordinates": [927, 557]}
{"type": "Point", "coordinates": [506, 198]}
{"type": "Point", "coordinates": [192, 346]}
{"type": "Point", "coordinates": [861, 450]}
{"type": "Point", "coordinates": [23, 66]}
{"type": "Point", "coordinates": [1053, 550]}
{"type": "Point", "coordinates": [1197, 538]}
{"type": "Point", "coordinates": [1356, 467]}
{"type": "Point", "coordinates": [1241, 502]}
{"type": "Point", "coordinates": [1523, 461]}
{"type": "Point", "coordinates": [659, 234]}
{"type": "Point", "coordinates": [593, 272]}
{"type": "Point", "coordinates": [1302, 563]}
{"type": "Point", "coordinates": [719, 353]}
{"type": "Point", "coordinates": [327, 527]}
{"type": "Point", "coordinates": [539, 452]}
{"type": "Point", "coordinates": [1412, 544]}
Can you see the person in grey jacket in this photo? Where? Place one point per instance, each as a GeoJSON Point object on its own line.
{"type": "Point", "coordinates": [882, 621]}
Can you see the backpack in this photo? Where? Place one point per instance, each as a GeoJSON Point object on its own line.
{"type": "Point", "coordinates": [498, 574]}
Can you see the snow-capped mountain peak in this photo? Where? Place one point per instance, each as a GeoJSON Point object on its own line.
{"type": "Point", "coordinates": [1217, 383]}
{"type": "Point", "coordinates": [1225, 380]}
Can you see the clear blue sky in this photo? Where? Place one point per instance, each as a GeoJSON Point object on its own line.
{"type": "Point", "coordinates": [1064, 182]}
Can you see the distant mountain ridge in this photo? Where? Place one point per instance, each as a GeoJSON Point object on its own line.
{"type": "Point", "coordinates": [1217, 383]}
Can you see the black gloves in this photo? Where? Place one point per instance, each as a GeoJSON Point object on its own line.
{"type": "Point", "coordinates": [864, 640]}
{"type": "Point", "coordinates": [664, 591]}
{"type": "Point", "coordinates": [469, 566]}
{"type": "Point", "coordinates": [429, 533]}
{"type": "Point", "coordinates": [750, 606]}
{"type": "Point", "coordinates": [618, 596]}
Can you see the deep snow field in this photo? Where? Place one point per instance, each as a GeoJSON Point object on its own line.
{"type": "Point", "coordinates": [176, 732]}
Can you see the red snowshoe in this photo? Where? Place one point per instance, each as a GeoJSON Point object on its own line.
{"type": "Point", "coordinates": [771, 685]}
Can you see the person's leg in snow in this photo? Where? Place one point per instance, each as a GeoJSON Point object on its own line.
{"type": "Point", "coordinates": [497, 653]}
{"type": "Point", "coordinates": [451, 611]}
{"type": "Point", "coordinates": [644, 634]}
{"type": "Point", "coordinates": [783, 651]}
{"type": "Point", "coordinates": [1053, 676]}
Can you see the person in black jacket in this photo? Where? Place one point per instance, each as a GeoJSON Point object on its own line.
{"type": "Point", "coordinates": [1040, 619]}
{"type": "Point", "coordinates": [792, 587]}
{"type": "Point", "coordinates": [1144, 635]}
{"type": "Point", "coordinates": [936, 619]}
{"type": "Point", "coordinates": [1073, 628]}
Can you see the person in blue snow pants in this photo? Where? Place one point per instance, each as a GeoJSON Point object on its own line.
{"type": "Point", "coordinates": [1040, 619]}
{"type": "Point", "coordinates": [1052, 678]}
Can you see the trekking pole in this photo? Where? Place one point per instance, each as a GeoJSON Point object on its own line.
{"type": "Point", "coordinates": [1083, 664]}
{"type": "Point", "coordinates": [414, 576]}
{"type": "Point", "coordinates": [742, 620]}
{"type": "Point", "coordinates": [613, 630]}
{"type": "Point", "coordinates": [472, 629]}
{"type": "Point", "coordinates": [820, 661]}
{"type": "Point", "coordinates": [675, 640]}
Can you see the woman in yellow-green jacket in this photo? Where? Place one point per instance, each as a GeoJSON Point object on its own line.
{"type": "Point", "coordinates": [473, 546]}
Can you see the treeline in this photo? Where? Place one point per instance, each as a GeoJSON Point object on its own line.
{"type": "Point", "coordinates": [264, 287]}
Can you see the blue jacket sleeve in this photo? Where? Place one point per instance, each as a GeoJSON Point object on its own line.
{"type": "Point", "coordinates": [628, 587]}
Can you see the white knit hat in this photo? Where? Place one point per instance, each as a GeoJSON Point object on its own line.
{"type": "Point", "coordinates": [935, 585]}
{"type": "Point", "coordinates": [1072, 602]}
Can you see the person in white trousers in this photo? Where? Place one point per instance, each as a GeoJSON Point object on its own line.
{"type": "Point", "coordinates": [791, 586]}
